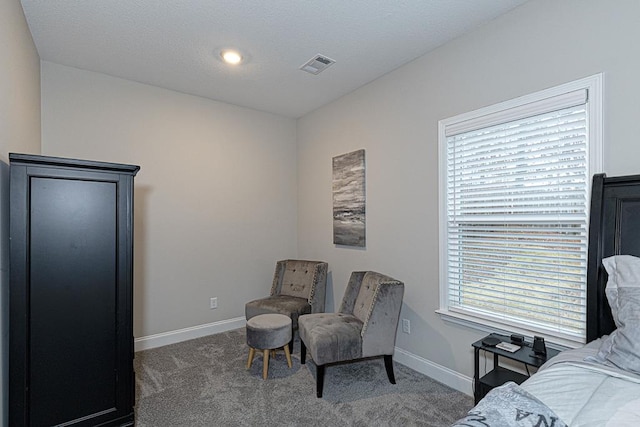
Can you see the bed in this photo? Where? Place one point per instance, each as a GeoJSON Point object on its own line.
{"type": "Point", "coordinates": [597, 384]}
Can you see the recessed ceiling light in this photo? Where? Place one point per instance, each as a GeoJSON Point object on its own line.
{"type": "Point", "coordinates": [231, 57]}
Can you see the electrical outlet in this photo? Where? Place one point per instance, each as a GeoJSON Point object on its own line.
{"type": "Point", "coordinates": [406, 326]}
{"type": "Point", "coordinates": [213, 303]}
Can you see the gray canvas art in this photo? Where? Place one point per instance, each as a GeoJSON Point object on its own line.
{"type": "Point", "coordinates": [349, 199]}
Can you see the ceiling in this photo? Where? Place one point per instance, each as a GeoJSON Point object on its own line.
{"type": "Point", "coordinates": [175, 44]}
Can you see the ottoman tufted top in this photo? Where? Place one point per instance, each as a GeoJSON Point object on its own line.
{"type": "Point", "coordinates": [269, 321]}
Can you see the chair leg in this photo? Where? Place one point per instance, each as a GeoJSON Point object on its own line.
{"type": "Point", "coordinates": [265, 364]}
{"type": "Point", "coordinates": [303, 352]}
{"type": "Point", "coordinates": [252, 352]}
{"type": "Point", "coordinates": [319, 380]}
{"type": "Point", "coordinates": [287, 353]}
{"type": "Point", "coordinates": [291, 345]}
{"type": "Point", "coordinates": [388, 364]}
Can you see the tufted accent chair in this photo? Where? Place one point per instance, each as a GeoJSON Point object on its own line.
{"type": "Point", "coordinates": [365, 325]}
{"type": "Point", "coordinates": [298, 287]}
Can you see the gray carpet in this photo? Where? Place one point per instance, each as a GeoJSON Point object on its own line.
{"type": "Point", "coordinates": [204, 382]}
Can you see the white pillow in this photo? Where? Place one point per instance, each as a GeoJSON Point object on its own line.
{"type": "Point", "coordinates": [622, 347]}
{"type": "Point", "coordinates": [624, 271]}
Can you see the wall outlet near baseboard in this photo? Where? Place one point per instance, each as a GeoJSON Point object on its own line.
{"type": "Point", "coordinates": [213, 303]}
{"type": "Point", "coordinates": [406, 326]}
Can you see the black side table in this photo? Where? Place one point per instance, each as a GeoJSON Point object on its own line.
{"type": "Point", "coordinates": [500, 375]}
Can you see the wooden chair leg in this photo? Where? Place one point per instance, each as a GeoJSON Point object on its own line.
{"type": "Point", "coordinates": [252, 352]}
{"type": "Point", "coordinates": [265, 364]}
{"type": "Point", "coordinates": [288, 354]}
{"type": "Point", "coordinates": [319, 380]}
{"type": "Point", "coordinates": [273, 353]}
{"type": "Point", "coordinates": [303, 352]}
{"type": "Point", "coordinates": [388, 364]}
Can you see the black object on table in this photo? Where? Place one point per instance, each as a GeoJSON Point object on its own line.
{"type": "Point", "coordinates": [500, 375]}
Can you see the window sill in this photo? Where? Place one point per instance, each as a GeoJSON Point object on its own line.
{"type": "Point", "coordinates": [487, 326]}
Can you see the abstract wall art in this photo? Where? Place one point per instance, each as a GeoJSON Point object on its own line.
{"type": "Point", "coordinates": [349, 199]}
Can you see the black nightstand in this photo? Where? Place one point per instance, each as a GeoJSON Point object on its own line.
{"type": "Point", "coordinates": [500, 375]}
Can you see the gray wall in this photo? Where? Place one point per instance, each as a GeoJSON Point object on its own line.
{"type": "Point", "coordinates": [19, 132]}
{"type": "Point", "coordinates": [215, 199]}
{"type": "Point", "coordinates": [538, 45]}
{"type": "Point", "coordinates": [19, 84]}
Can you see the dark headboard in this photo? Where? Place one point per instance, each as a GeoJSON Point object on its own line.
{"type": "Point", "coordinates": [614, 229]}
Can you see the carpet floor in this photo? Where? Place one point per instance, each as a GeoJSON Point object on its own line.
{"type": "Point", "coordinates": [204, 382]}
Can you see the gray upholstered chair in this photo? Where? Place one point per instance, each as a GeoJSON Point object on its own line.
{"type": "Point", "coordinates": [365, 326]}
{"type": "Point", "coordinates": [298, 287]}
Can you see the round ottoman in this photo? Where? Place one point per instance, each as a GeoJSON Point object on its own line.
{"type": "Point", "coordinates": [267, 332]}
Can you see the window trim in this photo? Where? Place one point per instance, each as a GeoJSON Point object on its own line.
{"type": "Point", "coordinates": [594, 87]}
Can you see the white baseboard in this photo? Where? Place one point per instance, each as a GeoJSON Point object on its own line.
{"type": "Point", "coordinates": [440, 373]}
{"type": "Point", "coordinates": [172, 337]}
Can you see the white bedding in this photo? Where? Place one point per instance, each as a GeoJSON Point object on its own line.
{"type": "Point", "coordinates": [586, 394]}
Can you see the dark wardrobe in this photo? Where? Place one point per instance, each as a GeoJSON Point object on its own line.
{"type": "Point", "coordinates": [71, 290]}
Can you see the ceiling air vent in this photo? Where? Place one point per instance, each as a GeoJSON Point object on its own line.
{"type": "Point", "coordinates": [317, 64]}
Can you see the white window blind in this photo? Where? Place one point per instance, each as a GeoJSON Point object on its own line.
{"type": "Point", "coordinates": [517, 186]}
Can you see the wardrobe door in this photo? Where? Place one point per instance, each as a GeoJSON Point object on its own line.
{"type": "Point", "coordinates": [70, 296]}
{"type": "Point", "coordinates": [73, 285]}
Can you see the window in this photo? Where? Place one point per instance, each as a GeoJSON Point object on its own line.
{"type": "Point", "coordinates": [514, 198]}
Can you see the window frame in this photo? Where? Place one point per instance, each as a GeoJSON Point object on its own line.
{"type": "Point", "coordinates": [594, 106]}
